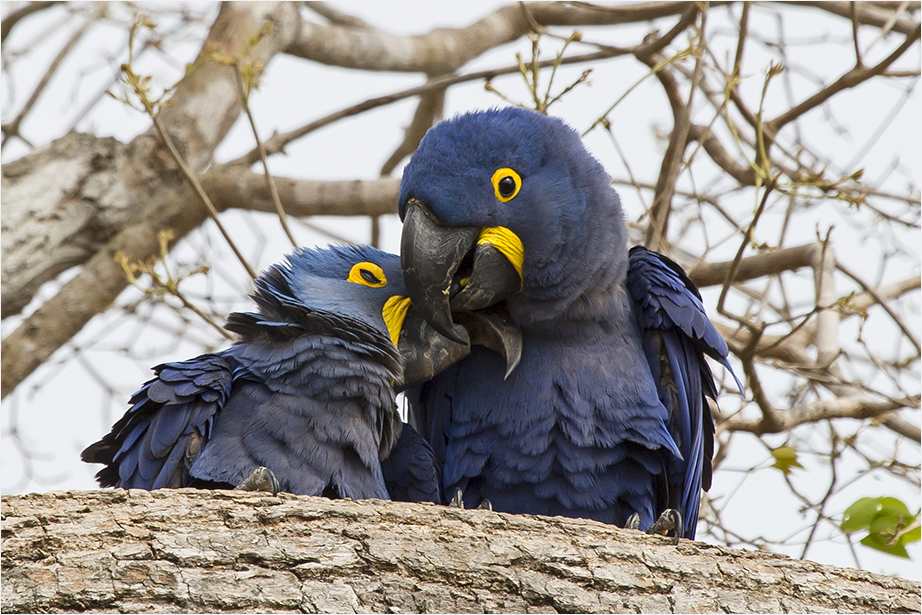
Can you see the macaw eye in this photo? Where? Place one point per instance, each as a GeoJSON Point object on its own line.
{"type": "Point", "coordinates": [367, 274]}
{"type": "Point", "coordinates": [506, 184]}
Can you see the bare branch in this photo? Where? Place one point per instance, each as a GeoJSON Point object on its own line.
{"type": "Point", "coordinates": [767, 263]}
{"type": "Point", "coordinates": [14, 17]}
{"type": "Point", "coordinates": [445, 50]}
{"type": "Point", "coordinates": [102, 279]}
{"type": "Point", "coordinates": [880, 301]}
{"type": "Point", "coordinates": [270, 183]}
{"type": "Point", "coordinates": [232, 186]}
{"type": "Point", "coordinates": [278, 142]}
{"type": "Point", "coordinates": [678, 138]}
{"type": "Point", "coordinates": [864, 13]}
{"type": "Point", "coordinates": [428, 112]}
{"type": "Point", "coordinates": [902, 427]}
{"type": "Point", "coordinates": [12, 128]}
{"type": "Point", "coordinates": [852, 78]}
{"type": "Point", "coordinates": [855, 407]}
{"type": "Point", "coordinates": [338, 17]}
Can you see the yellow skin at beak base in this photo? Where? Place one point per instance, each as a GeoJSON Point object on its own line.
{"type": "Point", "coordinates": [394, 313]}
{"type": "Point", "coordinates": [507, 242]}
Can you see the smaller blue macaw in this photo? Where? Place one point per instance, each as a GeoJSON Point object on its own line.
{"type": "Point", "coordinates": [307, 392]}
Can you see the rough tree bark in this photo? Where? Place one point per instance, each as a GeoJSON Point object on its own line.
{"type": "Point", "coordinates": [195, 551]}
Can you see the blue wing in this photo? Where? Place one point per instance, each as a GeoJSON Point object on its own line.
{"type": "Point", "coordinates": [168, 423]}
{"type": "Point", "coordinates": [411, 471]}
{"type": "Point", "coordinates": [676, 335]}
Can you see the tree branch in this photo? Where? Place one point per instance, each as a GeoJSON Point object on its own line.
{"type": "Point", "coordinates": [854, 407]}
{"type": "Point", "coordinates": [864, 13]}
{"type": "Point", "coordinates": [12, 128]}
{"type": "Point", "coordinates": [219, 551]}
{"type": "Point", "coordinates": [855, 76]}
{"type": "Point", "coordinates": [94, 289]}
{"type": "Point", "coordinates": [445, 50]}
{"type": "Point", "coordinates": [14, 17]}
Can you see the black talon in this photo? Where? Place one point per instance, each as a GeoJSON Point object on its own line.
{"type": "Point", "coordinates": [633, 522]}
{"type": "Point", "coordinates": [671, 519]}
{"type": "Point", "coordinates": [457, 501]}
{"type": "Point", "coordinates": [262, 479]}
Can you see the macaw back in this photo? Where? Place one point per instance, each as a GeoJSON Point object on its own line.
{"type": "Point", "coordinates": [314, 410]}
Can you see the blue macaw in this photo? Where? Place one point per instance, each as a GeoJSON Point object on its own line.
{"type": "Point", "coordinates": [605, 416]}
{"type": "Point", "coordinates": [307, 392]}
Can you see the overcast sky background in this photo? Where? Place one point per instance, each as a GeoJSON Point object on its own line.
{"type": "Point", "coordinates": [69, 403]}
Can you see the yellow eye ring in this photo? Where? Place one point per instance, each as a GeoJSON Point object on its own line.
{"type": "Point", "coordinates": [506, 184]}
{"type": "Point", "coordinates": [367, 274]}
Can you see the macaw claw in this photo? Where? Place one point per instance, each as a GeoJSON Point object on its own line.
{"type": "Point", "coordinates": [671, 519]}
{"type": "Point", "coordinates": [458, 500]}
{"type": "Point", "coordinates": [262, 479]}
{"type": "Point", "coordinates": [633, 522]}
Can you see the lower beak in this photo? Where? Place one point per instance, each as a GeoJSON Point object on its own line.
{"type": "Point", "coordinates": [493, 279]}
{"type": "Point", "coordinates": [494, 329]}
{"type": "Point", "coordinates": [424, 352]}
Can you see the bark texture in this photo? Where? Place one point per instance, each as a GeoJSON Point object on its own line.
{"type": "Point", "coordinates": [203, 551]}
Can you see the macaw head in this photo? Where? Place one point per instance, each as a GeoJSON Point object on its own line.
{"type": "Point", "coordinates": [357, 292]}
{"type": "Point", "coordinates": [505, 204]}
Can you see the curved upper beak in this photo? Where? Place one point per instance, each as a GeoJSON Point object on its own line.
{"type": "Point", "coordinates": [456, 268]}
{"type": "Point", "coordinates": [430, 255]}
{"type": "Point", "coordinates": [494, 329]}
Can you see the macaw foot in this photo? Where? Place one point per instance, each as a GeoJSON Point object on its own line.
{"type": "Point", "coordinates": [671, 519]}
{"type": "Point", "coordinates": [262, 479]}
{"type": "Point", "coordinates": [633, 522]}
{"type": "Point", "coordinates": [485, 505]}
{"type": "Point", "coordinates": [458, 500]}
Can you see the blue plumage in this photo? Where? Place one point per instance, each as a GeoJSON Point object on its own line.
{"type": "Point", "coordinates": [605, 415]}
{"type": "Point", "coordinates": [307, 392]}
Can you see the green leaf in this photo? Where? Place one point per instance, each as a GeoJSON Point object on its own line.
{"type": "Point", "coordinates": [894, 508]}
{"type": "Point", "coordinates": [860, 515]}
{"type": "Point", "coordinates": [911, 536]}
{"type": "Point", "coordinates": [876, 542]}
{"type": "Point", "coordinates": [884, 518]}
{"type": "Point", "coordinates": [785, 459]}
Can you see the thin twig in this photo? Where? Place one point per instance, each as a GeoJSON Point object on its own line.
{"type": "Point", "coordinates": [882, 303]}
{"type": "Point", "coordinates": [196, 186]}
{"type": "Point", "coordinates": [12, 128]}
{"type": "Point", "coordinates": [850, 79]}
{"type": "Point", "coordinates": [270, 181]}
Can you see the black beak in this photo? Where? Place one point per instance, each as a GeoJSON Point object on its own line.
{"type": "Point", "coordinates": [424, 352]}
{"type": "Point", "coordinates": [493, 279]}
{"type": "Point", "coordinates": [430, 255]}
{"type": "Point", "coordinates": [435, 259]}
{"type": "Point", "coordinates": [494, 329]}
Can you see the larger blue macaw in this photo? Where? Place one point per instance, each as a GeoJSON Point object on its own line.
{"type": "Point", "coordinates": [605, 416]}
{"type": "Point", "coordinates": [307, 392]}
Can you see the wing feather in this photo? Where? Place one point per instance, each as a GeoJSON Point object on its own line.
{"type": "Point", "coordinates": [677, 334]}
{"type": "Point", "coordinates": [149, 447]}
